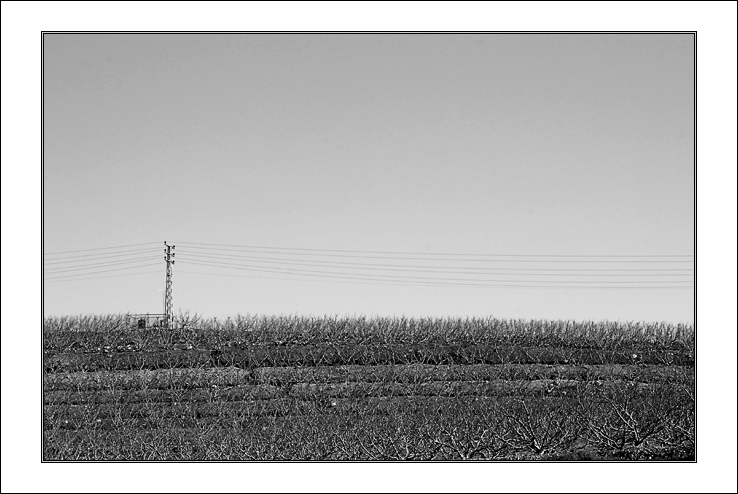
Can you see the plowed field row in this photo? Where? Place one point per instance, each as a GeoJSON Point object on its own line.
{"type": "Point", "coordinates": [421, 428]}
{"type": "Point", "coordinates": [191, 378]}
{"type": "Point", "coordinates": [78, 334]}
{"type": "Point", "coordinates": [305, 391]}
{"type": "Point", "coordinates": [357, 355]}
{"type": "Point", "coordinates": [247, 414]}
{"type": "Point", "coordinates": [193, 413]}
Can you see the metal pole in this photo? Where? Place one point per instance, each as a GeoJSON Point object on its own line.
{"type": "Point", "coordinates": [168, 286]}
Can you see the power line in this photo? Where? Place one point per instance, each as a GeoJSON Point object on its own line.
{"type": "Point", "coordinates": [288, 262]}
{"type": "Point", "coordinates": [93, 257]}
{"type": "Point", "coordinates": [219, 255]}
{"type": "Point", "coordinates": [576, 260]}
{"type": "Point", "coordinates": [99, 248]}
{"type": "Point", "coordinates": [105, 271]}
{"type": "Point", "coordinates": [434, 269]}
{"type": "Point", "coordinates": [238, 257]}
{"type": "Point", "coordinates": [97, 265]}
{"type": "Point", "coordinates": [432, 253]}
{"type": "Point", "coordinates": [346, 280]}
{"type": "Point", "coordinates": [63, 279]}
{"type": "Point", "coordinates": [331, 274]}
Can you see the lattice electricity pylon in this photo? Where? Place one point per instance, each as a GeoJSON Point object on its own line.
{"type": "Point", "coordinates": [168, 288]}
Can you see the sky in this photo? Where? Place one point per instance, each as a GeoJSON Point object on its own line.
{"type": "Point", "coordinates": [432, 154]}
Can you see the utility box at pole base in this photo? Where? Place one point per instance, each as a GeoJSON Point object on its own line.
{"type": "Point", "coordinates": [144, 321]}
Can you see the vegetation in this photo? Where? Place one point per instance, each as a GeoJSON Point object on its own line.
{"type": "Point", "coordinates": [302, 388]}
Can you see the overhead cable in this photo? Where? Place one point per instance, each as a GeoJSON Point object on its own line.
{"type": "Point", "coordinates": [105, 271]}
{"type": "Point", "coordinates": [92, 257]}
{"type": "Point", "coordinates": [350, 280]}
{"type": "Point", "coordinates": [333, 274]}
{"type": "Point", "coordinates": [526, 260]}
{"type": "Point", "coordinates": [433, 253]}
{"type": "Point", "coordinates": [63, 279]}
{"type": "Point", "coordinates": [99, 248]}
{"type": "Point", "coordinates": [416, 269]}
{"type": "Point", "coordinates": [61, 269]}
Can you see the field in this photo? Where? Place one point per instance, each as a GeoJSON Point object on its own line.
{"type": "Point", "coordinates": [301, 388]}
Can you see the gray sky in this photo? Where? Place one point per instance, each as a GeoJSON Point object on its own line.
{"type": "Point", "coordinates": [530, 144]}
